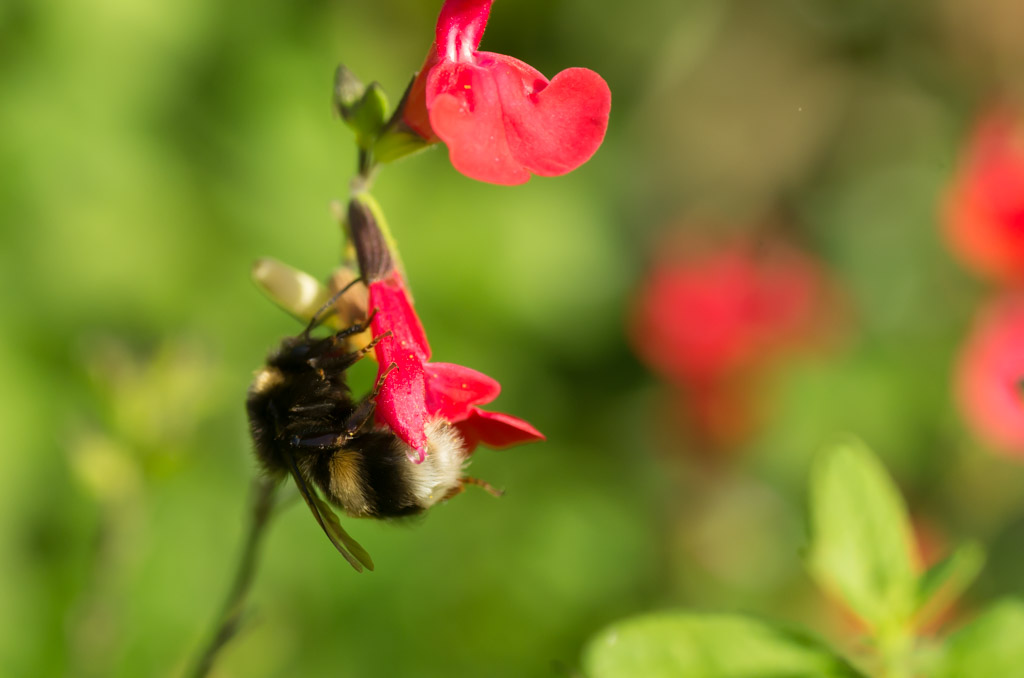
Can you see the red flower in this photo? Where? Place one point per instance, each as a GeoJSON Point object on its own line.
{"type": "Point", "coordinates": [984, 213]}
{"type": "Point", "coordinates": [990, 376]}
{"type": "Point", "coordinates": [501, 118]}
{"type": "Point", "coordinates": [709, 314]}
{"type": "Point", "coordinates": [417, 391]}
{"type": "Point", "coordinates": [708, 318]}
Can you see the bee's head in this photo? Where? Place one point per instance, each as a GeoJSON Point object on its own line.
{"type": "Point", "coordinates": [295, 353]}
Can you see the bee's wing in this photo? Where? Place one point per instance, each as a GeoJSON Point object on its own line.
{"type": "Point", "coordinates": [355, 554]}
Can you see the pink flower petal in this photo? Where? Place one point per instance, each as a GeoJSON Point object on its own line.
{"type": "Point", "coordinates": [394, 312]}
{"type": "Point", "coordinates": [453, 390]}
{"type": "Point", "coordinates": [401, 403]}
{"type": "Point", "coordinates": [495, 429]}
{"type": "Point", "coordinates": [500, 117]}
{"type": "Point", "coordinates": [460, 27]}
{"type": "Point", "coordinates": [551, 127]}
{"type": "Point", "coordinates": [465, 113]}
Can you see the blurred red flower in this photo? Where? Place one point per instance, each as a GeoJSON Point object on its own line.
{"type": "Point", "coordinates": [984, 211]}
{"type": "Point", "coordinates": [708, 313]}
{"type": "Point", "coordinates": [990, 376]}
{"type": "Point", "coordinates": [501, 118]}
{"type": "Point", "coordinates": [707, 317]}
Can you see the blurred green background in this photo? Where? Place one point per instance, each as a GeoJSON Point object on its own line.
{"type": "Point", "coordinates": [151, 151]}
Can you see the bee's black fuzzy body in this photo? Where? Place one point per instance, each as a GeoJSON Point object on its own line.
{"type": "Point", "coordinates": [304, 420]}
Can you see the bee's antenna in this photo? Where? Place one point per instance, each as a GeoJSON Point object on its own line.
{"type": "Point", "coordinates": [322, 314]}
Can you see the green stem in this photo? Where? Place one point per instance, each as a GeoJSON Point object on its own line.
{"type": "Point", "coordinates": [365, 163]}
{"type": "Point", "coordinates": [231, 615]}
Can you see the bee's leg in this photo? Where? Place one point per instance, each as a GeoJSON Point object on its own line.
{"type": "Point", "coordinates": [320, 363]}
{"type": "Point", "coordinates": [328, 441]}
{"type": "Point", "coordinates": [373, 342]}
{"type": "Point", "coordinates": [382, 378]}
{"type": "Point", "coordinates": [469, 480]}
{"type": "Point", "coordinates": [364, 411]}
{"type": "Point", "coordinates": [355, 328]}
{"type": "Point", "coordinates": [457, 490]}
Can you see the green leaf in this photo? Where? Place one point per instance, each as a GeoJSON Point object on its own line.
{"type": "Point", "coordinates": [674, 645]}
{"type": "Point", "coordinates": [991, 645]}
{"type": "Point", "coordinates": [861, 539]}
{"type": "Point", "coordinates": [944, 582]}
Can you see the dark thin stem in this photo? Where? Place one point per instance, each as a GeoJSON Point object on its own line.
{"type": "Point", "coordinates": [231, 616]}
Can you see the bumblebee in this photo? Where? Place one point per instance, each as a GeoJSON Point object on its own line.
{"type": "Point", "coordinates": [305, 422]}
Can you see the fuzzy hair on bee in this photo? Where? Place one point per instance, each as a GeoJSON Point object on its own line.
{"type": "Point", "coordinates": [305, 423]}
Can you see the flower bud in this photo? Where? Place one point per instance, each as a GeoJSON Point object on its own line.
{"type": "Point", "coordinates": [295, 291]}
{"type": "Point", "coordinates": [364, 109]}
{"type": "Point", "coordinates": [348, 90]}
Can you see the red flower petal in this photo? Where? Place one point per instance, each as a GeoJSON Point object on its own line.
{"type": "Point", "coordinates": [460, 26]}
{"type": "Point", "coordinates": [401, 403]}
{"type": "Point", "coordinates": [500, 117]}
{"type": "Point", "coordinates": [394, 312]}
{"type": "Point", "coordinates": [495, 429]}
{"type": "Point", "coordinates": [465, 112]}
{"type": "Point", "coordinates": [551, 127]}
{"type": "Point", "coordinates": [453, 390]}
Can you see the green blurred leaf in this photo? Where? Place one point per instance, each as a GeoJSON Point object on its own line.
{"type": "Point", "coordinates": [991, 645]}
{"type": "Point", "coordinates": [944, 582]}
{"type": "Point", "coordinates": [665, 645]}
{"type": "Point", "coordinates": [861, 540]}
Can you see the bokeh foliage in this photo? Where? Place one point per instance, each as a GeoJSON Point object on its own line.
{"type": "Point", "coordinates": [150, 152]}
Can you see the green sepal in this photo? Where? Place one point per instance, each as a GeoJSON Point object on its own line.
{"type": "Point", "coordinates": [397, 139]}
{"type": "Point", "coordinates": [396, 142]}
